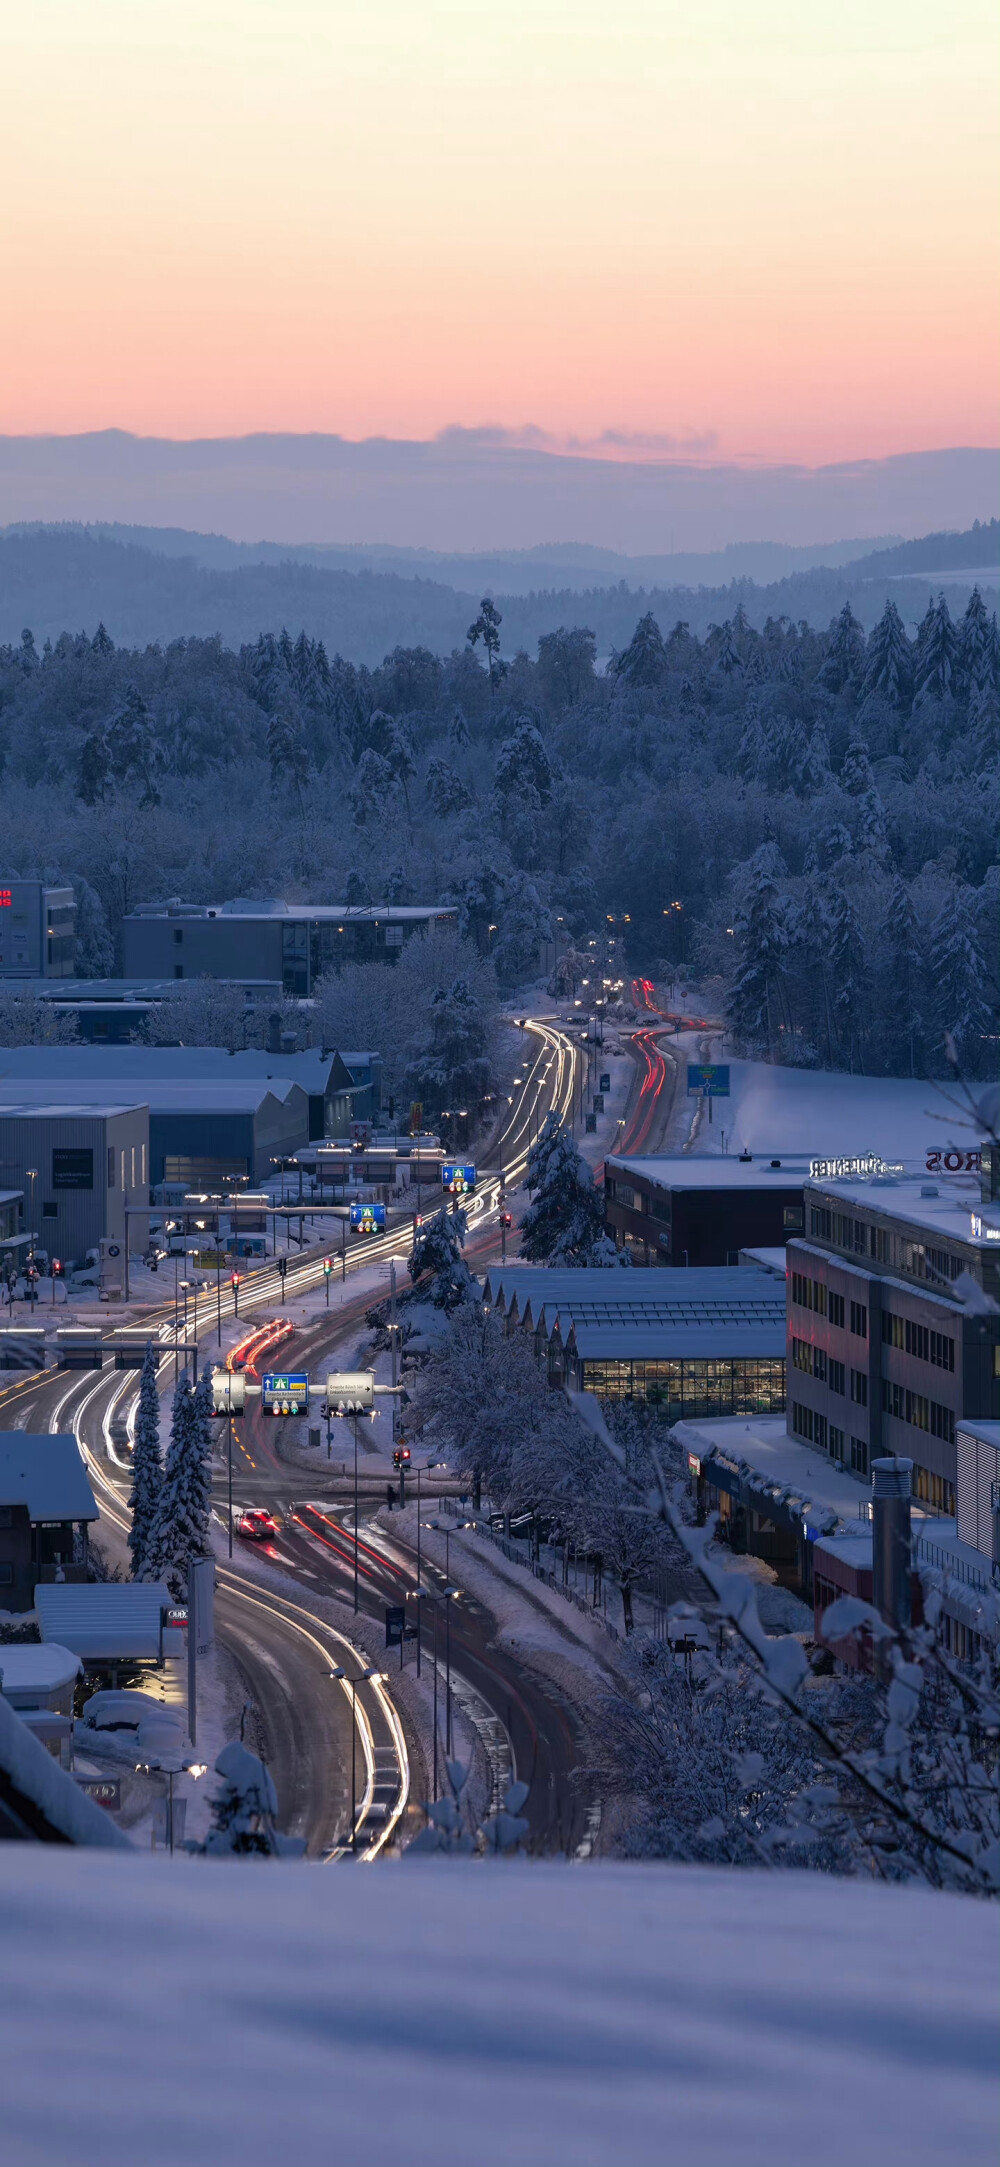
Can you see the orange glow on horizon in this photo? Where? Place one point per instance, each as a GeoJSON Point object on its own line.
{"type": "Point", "coordinates": [650, 234]}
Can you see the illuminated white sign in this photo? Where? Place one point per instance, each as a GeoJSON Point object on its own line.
{"type": "Point", "coordinates": [850, 1169]}
{"type": "Point", "coordinates": [983, 1232]}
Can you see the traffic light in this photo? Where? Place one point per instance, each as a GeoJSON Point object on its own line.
{"type": "Point", "coordinates": [282, 1265]}
{"type": "Point", "coordinates": [506, 1218]}
{"type": "Point", "coordinates": [57, 1267]}
{"type": "Point", "coordinates": [401, 1456]}
{"type": "Point", "coordinates": [327, 1267]}
{"type": "Point", "coordinates": [234, 1281]}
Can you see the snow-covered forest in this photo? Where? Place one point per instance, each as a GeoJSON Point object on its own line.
{"type": "Point", "coordinates": [807, 819]}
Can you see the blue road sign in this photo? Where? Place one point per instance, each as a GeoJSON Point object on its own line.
{"type": "Point", "coordinates": [710, 1078]}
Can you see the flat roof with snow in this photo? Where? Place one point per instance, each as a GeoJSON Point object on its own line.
{"type": "Point", "coordinates": [957, 1211]}
{"type": "Point", "coordinates": [105, 1620]}
{"type": "Point", "coordinates": [44, 1470]}
{"type": "Point", "coordinates": [700, 1170]}
{"type": "Point", "coordinates": [779, 1460]}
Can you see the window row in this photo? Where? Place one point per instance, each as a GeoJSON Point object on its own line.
{"type": "Point", "coordinates": [689, 1389]}
{"type": "Point", "coordinates": [919, 1411]}
{"type": "Point", "coordinates": [934, 1347]}
{"type": "Point", "coordinates": [861, 1240]}
{"type": "Point", "coordinates": [934, 1490]}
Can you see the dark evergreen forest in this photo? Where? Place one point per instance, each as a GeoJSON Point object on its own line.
{"type": "Point", "coordinates": [804, 820]}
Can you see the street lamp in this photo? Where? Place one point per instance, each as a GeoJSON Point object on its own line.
{"type": "Point", "coordinates": [422, 1470]}
{"type": "Point", "coordinates": [372, 1675]}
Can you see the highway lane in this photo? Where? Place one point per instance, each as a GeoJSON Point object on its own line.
{"type": "Point", "coordinates": [285, 1653]}
{"type": "Point", "coordinates": [536, 1725]}
{"type": "Point", "coordinates": [548, 1073]}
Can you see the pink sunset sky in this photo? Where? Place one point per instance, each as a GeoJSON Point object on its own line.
{"type": "Point", "coordinates": [756, 233]}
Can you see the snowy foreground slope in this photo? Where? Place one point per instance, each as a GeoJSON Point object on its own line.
{"type": "Point", "coordinates": [504, 2013]}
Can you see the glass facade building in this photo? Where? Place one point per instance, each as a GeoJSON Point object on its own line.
{"type": "Point", "coordinates": [686, 1388]}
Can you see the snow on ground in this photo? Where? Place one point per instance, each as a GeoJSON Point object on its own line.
{"type": "Point", "coordinates": [795, 1112]}
{"type": "Point", "coordinates": [510, 2012]}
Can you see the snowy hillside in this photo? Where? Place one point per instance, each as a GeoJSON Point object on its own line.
{"type": "Point", "coordinates": [663, 2017]}
{"type": "Point", "coordinates": [784, 1112]}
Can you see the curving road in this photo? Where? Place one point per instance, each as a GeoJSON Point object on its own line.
{"type": "Point", "coordinates": [285, 1651]}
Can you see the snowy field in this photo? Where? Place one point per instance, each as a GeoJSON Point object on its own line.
{"type": "Point", "coordinates": [781, 1112]}
{"type": "Point", "coordinates": [505, 2013]}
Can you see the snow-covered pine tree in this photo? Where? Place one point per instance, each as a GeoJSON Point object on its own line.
{"type": "Point", "coordinates": [244, 1810]}
{"type": "Point", "coordinates": [934, 655]}
{"type": "Point", "coordinates": [845, 654]}
{"type": "Point", "coordinates": [147, 1466]}
{"type": "Point", "coordinates": [455, 1071]}
{"type": "Point", "coordinates": [644, 660]}
{"type": "Point", "coordinates": [899, 1008]}
{"type": "Point", "coordinates": [565, 1220]}
{"type": "Point", "coordinates": [179, 1532]}
{"type": "Point", "coordinates": [438, 1249]}
{"type": "Point", "coordinates": [973, 646]}
{"type": "Point", "coordinates": [812, 763]}
{"type": "Point", "coordinates": [848, 973]}
{"type": "Point", "coordinates": [754, 1003]}
{"type": "Point", "coordinates": [960, 977]}
{"type": "Point", "coordinates": [523, 765]}
{"type": "Point", "coordinates": [888, 671]}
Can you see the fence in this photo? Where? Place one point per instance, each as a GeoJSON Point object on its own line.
{"type": "Point", "coordinates": [514, 1554]}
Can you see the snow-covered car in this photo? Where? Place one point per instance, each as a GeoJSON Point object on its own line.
{"type": "Point", "coordinates": [256, 1524]}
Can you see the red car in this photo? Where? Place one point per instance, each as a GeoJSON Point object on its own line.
{"type": "Point", "coordinates": [256, 1524]}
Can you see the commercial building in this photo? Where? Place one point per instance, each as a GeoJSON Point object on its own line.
{"type": "Point", "coordinates": [203, 1130]}
{"type": "Point", "coordinates": [703, 1343]}
{"type": "Point", "coordinates": [37, 930]}
{"type": "Point", "coordinates": [700, 1212]}
{"type": "Point", "coordinates": [887, 1352]}
{"type": "Point", "coordinates": [324, 1078]}
{"type": "Point", "coordinates": [46, 1509]}
{"type": "Point", "coordinates": [76, 1163]}
{"type": "Point", "coordinates": [293, 943]}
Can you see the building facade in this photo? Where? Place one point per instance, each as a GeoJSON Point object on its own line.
{"type": "Point", "coordinates": [703, 1343]}
{"type": "Point", "coordinates": [291, 943]}
{"type": "Point", "coordinates": [76, 1165]}
{"type": "Point", "coordinates": [697, 1213]}
{"type": "Point", "coordinates": [37, 930]}
{"type": "Point", "coordinates": [886, 1352]}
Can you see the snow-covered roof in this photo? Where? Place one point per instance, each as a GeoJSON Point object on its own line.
{"type": "Point", "coordinates": [166, 1065]}
{"type": "Point", "coordinates": [38, 1095]}
{"type": "Point", "coordinates": [774, 1260]}
{"type": "Point", "coordinates": [323, 913]}
{"type": "Point", "coordinates": [627, 1288]}
{"type": "Point", "coordinates": [38, 1799]}
{"type": "Point", "coordinates": [651, 1341]}
{"type": "Point", "coordinates": [44, 1470]}
{"type": "Point", "coordinates": [95, 1108]}
{"type": "Point", "coordinates": [701, 1171]}
{"type": "Point", "coordinates": [30, 1667]}
{"type": "Point", "coordinates": [764, 1444]}
{"type": "Point", "coordinates": [104, 1619]}
{"type": "Point", "coordinates": [638, 2013]}
{"type": "Point", "coordinates": [953, 1211]}
{"type": "Point", "coordinates": [988, 1433]}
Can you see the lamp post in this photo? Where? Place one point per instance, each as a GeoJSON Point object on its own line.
{"type": "Point", "coordinates": [422, 1469]}
{"type": "Point", "coordinates": [355, 1513]}
{"type": "Point", "coordinates": [354, 1683]}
